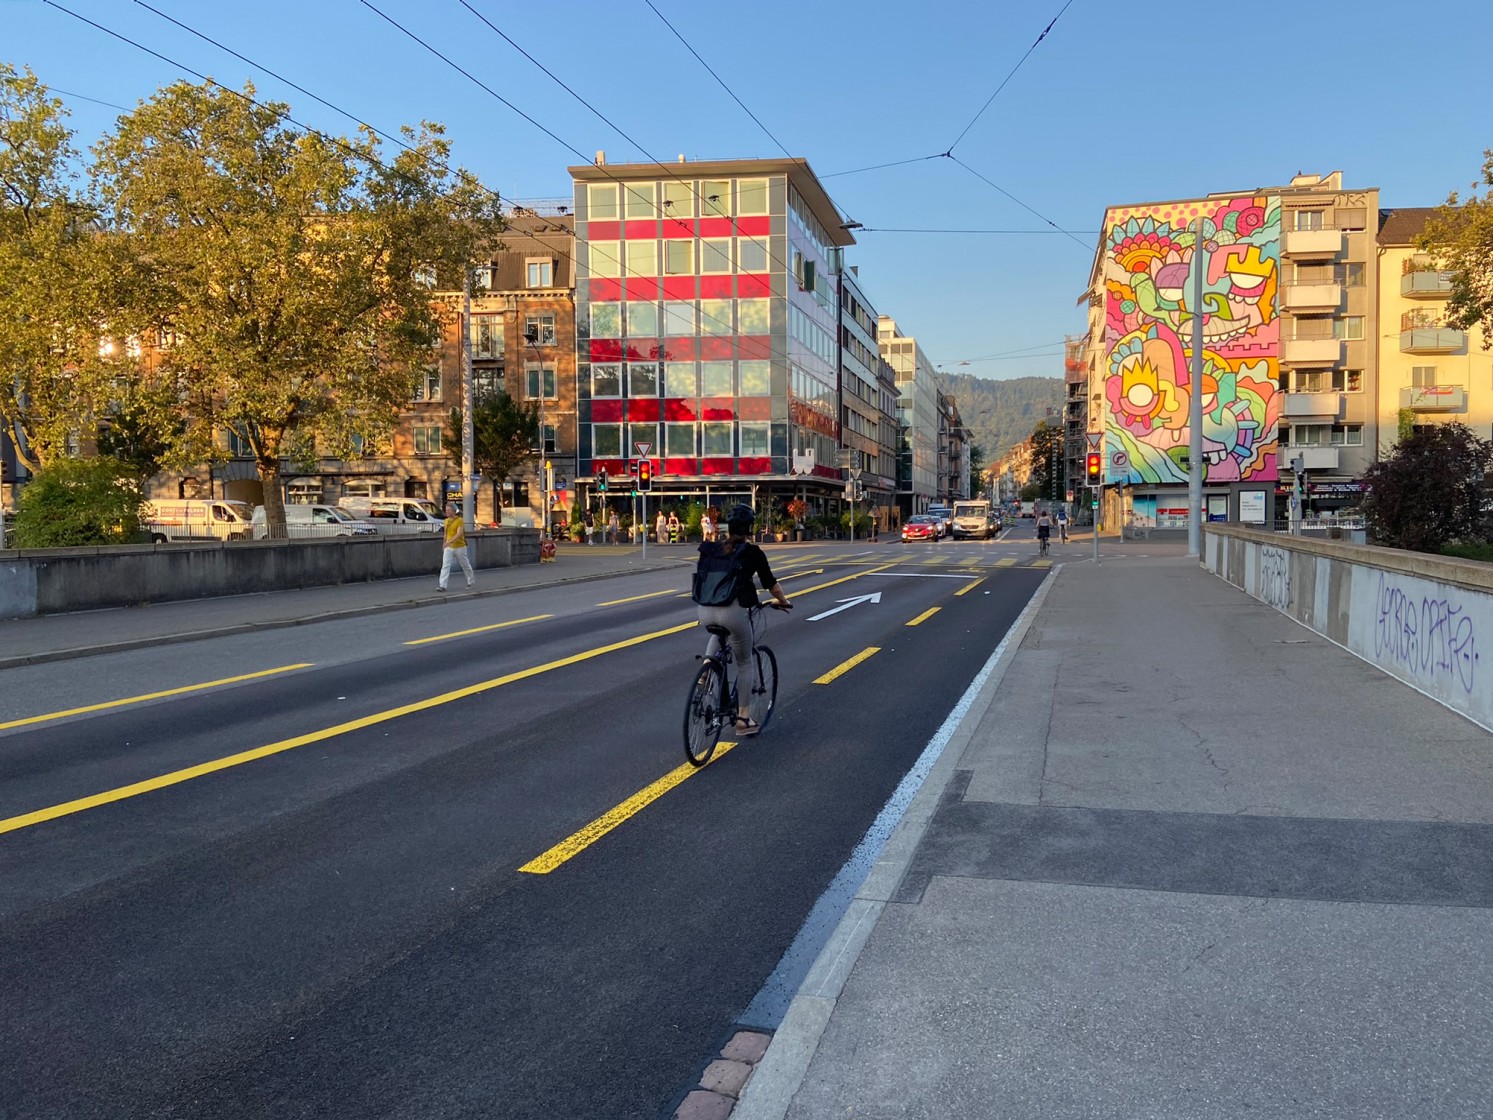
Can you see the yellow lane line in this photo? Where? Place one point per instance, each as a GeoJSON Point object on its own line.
{"type": "Point", "coordinates": [152, 696]}
{"type": "Point", "coordinates": [1041, 563]}
{"type": "Point", "coordinates": [477, 630]}
{"type": "Point", "coordinates": [577, 842]}
{"type": "Point", "coordinates": [969, 562]}
{"type": "Point", "coordinates": [635, 598]}
{"type": "Point", "coordinates": [1006, 562]}
{"type": "Point", "coordinates": [925, 616]}
{"type": "Point", "coordinates": [175, 777]}
{"type": "Point", "coordinates": [968, 587]}
{"type": "Point", "coordinates": [846, 666]}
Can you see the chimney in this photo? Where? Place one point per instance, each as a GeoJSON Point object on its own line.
{"type": "Point", "coordinates": [681, 157]}
{"type": "Point", "coordinates": [601, 157]}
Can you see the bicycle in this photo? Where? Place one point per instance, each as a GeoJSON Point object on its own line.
{"type": "Point", "coordinates": [712, 703]}
{"type": "Point", "coordinates": [1042, 542]}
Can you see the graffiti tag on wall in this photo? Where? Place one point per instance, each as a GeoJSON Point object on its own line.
{"type": "Point", "coordinates": [1429, 637]}
{"type": "Point", "coordinates": [1275, 577]}
{"type": "Point", "coordinates": [1148, 294]}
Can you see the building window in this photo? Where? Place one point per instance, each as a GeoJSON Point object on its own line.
{"type": "Point", "coordinates": [539, 273]}
{"type": "Point", "coordinates": [715, 198]}
{"type": "Point", "coordinates": [487, 382]}
{"type": "Point", "coordinates": [1347, 435]}
{"type": "Point", "coordinates": [751, 254]}
{"type": "Point", "coordinates": [1348, 380]}
{"type": "Point", "coordinates": [606, 258]}
{"type": "Point", "coordinates": [1310, 435]}
{"type": "Point", "coordinates": [425, 275]}
{"type": "Point", "coordinates": [1352, 274]}
{"type": "Point", "coordinates": [487, 336]}
{"type": "Point", "coordinates": [642, 258]}
{"type": "Point", "coordinates": [1307, 220]}
{"type": "Point", "coordinates": [541, 328]}
{"type": "Point", "coordinates": [679, 199]}
{"type": "Point", "coordinates": [1314, 326]}
{"type": "Point", "coordinates": [755, 316]}
{"type": "Point", "coordinates": [715, 438]}
{"type": "Point", "coordinates": [1353, 218]}
{"type": "Point", "coordinates": [606, 441]}
{"type": "Point", "coordinates": [539, 380]}
{"type": "Point", "coordinates": [427, 439]}
{"type": "Point", "coordinates": [755, 439]}
{"type": "Point", "coordinates": [679, 257]}
{"type": "Point", "coordinates": [681, 380]}
{"type": "Point", "coordinates": [550, 444]}
{"type": "Point", "coordinates": [1422, 377]}
{"type": "Point", "coordinates": [715, 255]}
{"type": "Point", "coordinates": [715, 317]}
{"type": "Point", "coordinates": [756, 378]}
{"type": "Point", "coordinates": [606, 320]}
{"type": "Point", "coordinates": [1312, 380]}
{"type": "Point", "coordinates": [679, 440]}
{"type": "Point", "coordinates": [639, 198]}
{"type": "Point", "coordinates": [679, 320]}
{"type": "Point", "coordinates": [643, 433]}
{"type": "Point", "coordinates": [606, 380]}
{"type": "Point", "coordinates": [238, 446]}
{"type": "Point", "coordinates": [601, 203]}
{"type": "Point", "coordinates": [428, 385]}
{"type": "Point", "coordinates": [751, 196]}
{"type": "Point", "coordinates": [642, 320]}
{"type": "Point", "coordinates": [1349, 327]}
{"type": "Point", "coordinates": [482, 278]}
{"type": "Point", "coordinates": [642, 379]}
{"type": "Point", "coordinates": [716, 380]}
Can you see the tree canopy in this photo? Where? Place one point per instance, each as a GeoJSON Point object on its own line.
{"type": "Point", "coordinates": [290, 273]}
{"type": "Point", "coordinates": [1429, 489]}
{"type": "Point", "coordinates": [1460, 237]}
{"type": "Point", "coordinates": [505, 434]}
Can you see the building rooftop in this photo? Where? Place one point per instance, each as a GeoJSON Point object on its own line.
{"type": "Point", "coordinates": [1403, 225]}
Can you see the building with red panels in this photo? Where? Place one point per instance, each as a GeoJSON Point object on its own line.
{"type": "Point", "coordinates": [707, 329]}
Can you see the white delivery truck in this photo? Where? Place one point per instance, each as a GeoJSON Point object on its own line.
{"type": "Point", "coordinates": [972, 519]}
{"type": "Point", "coordinates": [396, 515]}
{"type": "Point", "coordinates": [303, 521]}
{"type": "Point", "coordinates": [196, 519]}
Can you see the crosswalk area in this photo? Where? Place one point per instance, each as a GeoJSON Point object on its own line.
{"type": "Point", "coordinates": [941, 560]}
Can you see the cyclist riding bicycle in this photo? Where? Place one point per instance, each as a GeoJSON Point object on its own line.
{"type": "Point", "coordinates": [1044, 529]}
{"type": "Point", "coordinates": [737, 615]}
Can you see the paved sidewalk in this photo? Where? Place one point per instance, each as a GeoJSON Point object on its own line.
{"type": "Point", "coordinates": [1184, 859]}
{"type": "Point", "coordinates": [30, 641]}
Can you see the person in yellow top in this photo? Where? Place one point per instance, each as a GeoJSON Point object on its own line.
{"type": "Point", "coordinates": [456, 546]}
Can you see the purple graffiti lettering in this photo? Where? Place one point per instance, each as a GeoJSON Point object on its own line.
{"type": "Point", "coordinates": [1432, 639]}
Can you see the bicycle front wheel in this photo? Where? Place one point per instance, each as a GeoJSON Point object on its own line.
{"type": "Point", "coordinates": [765, 696]}
{"type": "Point", "coordinates": [702, 713]}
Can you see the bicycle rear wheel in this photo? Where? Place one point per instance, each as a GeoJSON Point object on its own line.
{"type": "Point", "coordinates": [702, 713]}
{"type": "Point", "coordinates": [765, 695]}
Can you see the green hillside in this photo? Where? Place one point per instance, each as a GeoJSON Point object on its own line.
{"type": "Point", "coordinates": [1000, 414]}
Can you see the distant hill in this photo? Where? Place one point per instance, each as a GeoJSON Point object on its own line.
{"type": "Point", "coordinates": [1000, 414]}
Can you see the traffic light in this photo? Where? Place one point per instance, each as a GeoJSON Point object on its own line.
{"type": "Point", "coordinates": [645, 474]}
{"type": "Point", "coordinates": [601, 480]}
{"type": "Point", "coordinates": [1095, 463]}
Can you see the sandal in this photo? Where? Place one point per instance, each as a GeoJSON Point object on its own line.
{"type": "Point", "coordinates": [746, 725]}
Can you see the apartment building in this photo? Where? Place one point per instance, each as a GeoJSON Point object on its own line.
{"type": "Point", "coordinates": [1429, 373]}
{"type": "Point", "coordinates": [1076, 420]}
{"type": "Point", "coordinates": [918, 416]}
{"type": "Point", "coordinates": [868, 401]}
{"type": "Point", "coordinates": [709, 326]}
{"type": "Point", "coordinates": [1288, 361]}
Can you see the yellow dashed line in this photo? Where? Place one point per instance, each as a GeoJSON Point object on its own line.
{"type": "Point", "coordinates": [846, 666]}
{"type": "Point", "coordinates": [477, 630]}
{"type": "Point", "coordinates": [1006, 562]}
{"type": "Point", "coordinates": [634, 598]}
{"type": "Point", "coordinates": [925, 616]}
{"type": "Point", "coordinates": [968, 587]}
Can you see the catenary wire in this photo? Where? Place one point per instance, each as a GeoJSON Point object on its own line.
{"type": "Point", "coordinates": [1008, 77]}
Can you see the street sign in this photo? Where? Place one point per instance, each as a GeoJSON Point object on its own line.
{"type": "Point", "coordinates": [1096, 439]}
{"type": "Point", "coordinates": [642, 449]}
{"type": "Point", "coordinates": [855, 472]}
{"type": "Point", "coordinates": [842, 457]}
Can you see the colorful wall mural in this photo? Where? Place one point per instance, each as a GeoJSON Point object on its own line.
{"type": "Point", "coordinates": [1148, 255]}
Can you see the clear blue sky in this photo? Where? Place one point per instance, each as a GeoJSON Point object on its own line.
{"type": "Point", "coordinates": [1118, 104]}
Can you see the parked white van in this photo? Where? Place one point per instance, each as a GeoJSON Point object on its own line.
{"type": "Point", "coordinates": [314, 521]}
{"type": "Point", "coordinates": [397, 515]}
{"type": "Point", "coordinates": [195, 519]}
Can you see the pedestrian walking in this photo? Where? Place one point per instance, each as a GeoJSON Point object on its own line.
{"type": "Point", "coordinates": [455, 548]}
{"type": "Point", "coordinates": [659, 527]}
{"type": "Point", "coordinates": [589, 521]}
{"type": "Point", "coordinates": [674, 528]}
{"type": "Point", "coordinates": [614, 527]}
{"type": "Point", "coordinates": [707, 528]}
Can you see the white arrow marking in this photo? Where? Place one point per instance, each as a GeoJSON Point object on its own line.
{"type": "Point", "coordinates": [846, 604]}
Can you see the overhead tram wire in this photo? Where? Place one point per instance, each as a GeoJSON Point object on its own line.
{"type": "Point", "coordinates": [880, 166]}
{"type": "Point", "coordinates": [949, 151]}
{"type": "Point", "coordinates": [1071, 237]}
{"type": "Point", "coordinates": [335, 141]}
{"type": "Point", "coordinates": [886, 229]}
{"type": "Point", "coordinates": [85, 97]}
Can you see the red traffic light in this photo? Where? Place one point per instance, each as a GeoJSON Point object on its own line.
{"type": "Point", "coordinates": [645, 474]}
{"type": "Point", "coordinates": [1095, 466]}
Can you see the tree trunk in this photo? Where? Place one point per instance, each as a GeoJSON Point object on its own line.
{"type": "Point", "coordinates": [274, 499]}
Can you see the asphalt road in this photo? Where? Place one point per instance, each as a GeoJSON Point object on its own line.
{"type": "Point", "coordinates": [303, 895]}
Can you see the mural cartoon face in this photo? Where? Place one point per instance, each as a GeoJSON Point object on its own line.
{"type": "Point", "coordinates": [1148, 328]}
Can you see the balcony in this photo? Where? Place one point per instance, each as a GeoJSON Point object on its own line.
{"type": "Point", "coordinates": [1312, 458]}
{"type": "Point", "coordinates": [1426, 283]}
{"type": "Point", "coordinates": [1314, 406]}
{"type": "Point", "coordinates": [1312, 297]}
{"type": "Point", "coordinates": [1312, 243]}
{"type": "Point", "coordinates": [1423, 333]}
{"type": "Point", "coordinates": [1434, 398]}
{"type": "Point", "coordinates": [1311, 351]}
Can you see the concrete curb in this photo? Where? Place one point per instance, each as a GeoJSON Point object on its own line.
{"type": "Point", "coordinates": [777, 1077]}
{"type": "Point", "coordinates": [229, 630]}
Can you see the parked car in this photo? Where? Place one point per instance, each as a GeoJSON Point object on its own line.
{"type": "Point", "coordinates": [921, 527]}
{"type": "Point", "coordinates": [315, 521]}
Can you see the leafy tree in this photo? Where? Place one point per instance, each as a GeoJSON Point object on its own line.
{"type": "Point", "coordinates": [57, 367]}
{"type": "Point", "coordinates": [293, 271]}
{"type": "Point", "coordinates": [1460, 237]}
{"type": "Point", "coordinates": [1047, 459]}
{"type": "Point", "coordinates": [977, 471]}
{"type": "Point", "coordinates": [504, 434]}
{"type": "Point", "coordinates": [78, 502]}
{"type": "Point", "coordinates": [1429, 490]}
{"type": "Point", "coordinates": [145, 430]}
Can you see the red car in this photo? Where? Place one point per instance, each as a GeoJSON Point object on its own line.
{"type": "Point", "coordinates": [922, 528]}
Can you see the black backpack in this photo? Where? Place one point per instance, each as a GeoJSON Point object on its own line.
{"type": "Point", "coordinates": [717, 578]}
